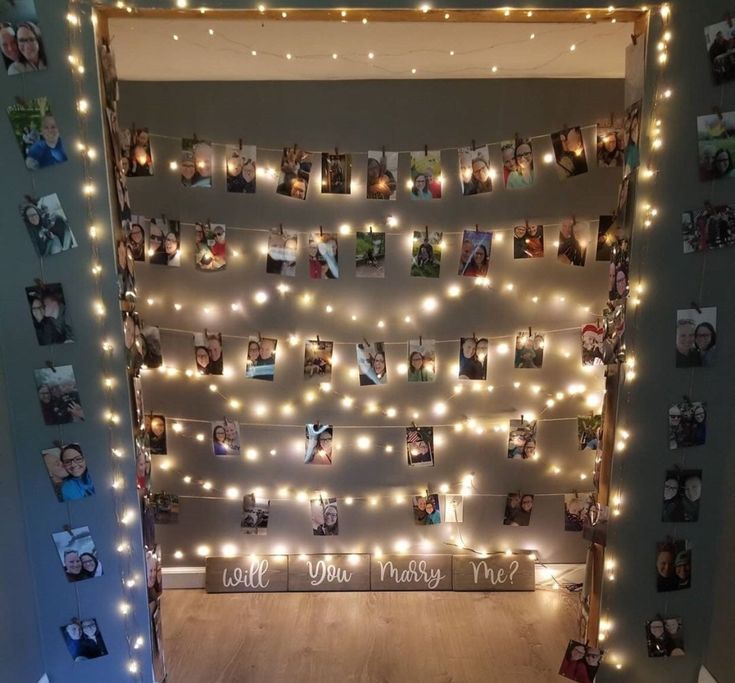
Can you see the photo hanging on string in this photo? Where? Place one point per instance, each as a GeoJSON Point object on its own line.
{"type": "Point", "coordinates": [164, 241]}
{"type": "Point", "coordinates": [607, 235]}
{"type": "Point", "coordinates": [610, 145]}
{"type": "Point", "coordinates": [475, 175]}
{"type": "Point", "coordinates": [420, 446]}
{"type": "Point", "coordinates": [336, 173]}
{"type": "Point", "coordinates": [37, 133]}
{"type": "Point", "coordinates": [632, 138]}
{"type": "Point", "coordinates": [426, 253]}
{"type": "Point", "coordinates": [453, 509]}
{"type": "Point", "coordinates": [323, 255]}
{"type": "Point", "coordinates": [197, 160]}
{"type": "Point", "coordinates": [426, 510]}
{"type": "Point", "coordinates": [619, 272]}
{"type": "Point", "coordinates": [580, 662]}
{"type": "Point", "coordinates": [319, 449]}
{"type": "Point", "coordinates": [518, 171]}
{"type": "Point", "coordinates": [574, 238]}
{"type": "Point", "coordinates": [23, 49]}
{"type": "Point", "coordinates": [474, 256]}
{"type": "Point", "coordinates": [371, 364]}
{"type": "Point", "coordinates": [140, 160]}
{"type": "Point", "coordinates": [226, 437]}
{"type": "Point", "coordinates": [78, 554]}
{"type": "Point", "coordinates": [151, 340]}
{"type": "Point", "coordinates": [665, 637]}
{"type": "Point", "coordinates": [318, 360]}
{"type": "Point", "coordinates": [421, 360]}
{"type": "Point", "coordinates": [370, 254]}
{"type": "Point", "coordinates": [518, 509]}
{"type": "Point", "coordinates": [591, 344]}
{"type": "Point", "coordinates": [595, 523]}
{"type": "Point", "coordinates": [47, 225]}
{"type": "Point", "coordinates": [696, 337]}
{"type": "Point", "coordinates": [716, 136]}
{"type": "Point", "coordinates": [208, 353]}
{"type": "Point", "coordinates": [382, 174]}
{"type": "Point", "coordinates": [576, 509]}
{"type": "Point", "coordinates": [67, 470]}
{"type": "Point", "coordinates": [720, 44]}
{"type": "Point", "coordinates": [529, 352]}
{"type": "Point", "coordinates": [528, 241]}
{"type": "Point", "coordinates": [293, 180]}
{"type": "Point", "coordinates": [613, 333]}
{"type": "Point", "coordinates": [473, 358]}
{"type": "Point", "coordinates": [83, 639]}
{"type": "Point", "coordinates": [522, 440]}
{"type": "Point", "coordinates": [240, 168]}
{"type": "Point", "coordinates": [210, 246]}
{"type": "Point", "coordinates": [255, 514]}
{"type": "Point", "coordinates": [682, 493]}
{"type": "Point", "coordinates": [58, 395]}
{"type": "Point", "coordinates": [712, 227]}
{"type": "Point", "coordinates": [426, 169]}
{"type": "Point", "coordinates": [687, 424]}
{"type": "Point", "coordinates": [125, 265]}
{"type": "Point", "coordinates": [165, 507]}
{"type": "Point", "coordinates": [324, 516]}
{"type": "Point", "coordinates": [569, 151]}
{"type": "Point", "coordinates": [673, 565]}
{"type": "Point", "coordinates": [261, 360]}
{"type": "Point", "coordinates": [136, 230]}
{"type": "Point", "coordinates": [282, 252]}
{"type": "Point", "coordinates": [51, 322]}
{"type": "Point", "coordinates": [589, 432]}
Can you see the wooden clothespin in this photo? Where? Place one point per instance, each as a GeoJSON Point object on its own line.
{"type": "Point", "coordinates": [39, 283]}
{"type": "Point", "coordinates": [367, 343]}
{"type": "Point", "coordinates": [58, 443]}
{"type": "Point", "coordinates": [426, 150]}
{"type": "Point", "coordinates": [687, 400]}
{"type": "Point", "coordinates": [321, 232]}
{"type": "Point", "coordinates": [634, 38]}
{"type": "Point", "coordinates": [421, 340]}
{"type": "Point", "coordinates": [239, 142]}
{"type": "Point", "coordinates": [21, 101]}
{"type": "Point", "coordinates": [474, 337]}
{"type": "Point", "coordinates": [318, 341]}
{"type": "Point", "coordinates": [413, 424]}
{"type": "Point", "coordinates": [371, 229]}
{"type": "Point", "coordinates": [336, 151]}
{"type": "Point", "coordinates": [280, 227]}
{"type": "Point", "coordinates": [717, 111]}
{"type": "Point", "coordinates": [260, 339]}
{"type": "Point", "coordinates": [530, 334]}
{"type": "Point", "coordinates": [522, 420]}
{"type": "Point", "coordinates": [194, 138]}
{"type": "Point", "coordinates": [516, 139]}
{"type": "Point", "coordinates": [133, 128]}
{"type": "Point", "coordinates": [206, 333]}
{"type": "Point", "coordinates": [612, 119]}
{"type": "Point", "coordinates": [728, 19]}
{"type": "Point", "coordinates": [426, 232]}
{"type": "Point", "coordinates": [696, 307]}
{"type": "Point", "coordinates": [473, 146]}
{"type": "Point", "coordinates": [477, 227]}
{"type": "Point", "coordinates": [67, 528]}
{"type": "Point", "coordinates": [526, 223]}
{"type": "Point", "coordinates": [50, 365]}
{"type": "Point", "coordinates": [382, 150]}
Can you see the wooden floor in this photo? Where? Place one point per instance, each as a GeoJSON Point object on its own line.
{"type": "Point", "coordinates": [366, 637]}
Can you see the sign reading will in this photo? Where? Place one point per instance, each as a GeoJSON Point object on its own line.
{"type": "Point", "coordinates": [329, 573]}
{"type": "Point", "coordinates": [493, 573]}
{"type": "Point", "coordinates": [265, 574]}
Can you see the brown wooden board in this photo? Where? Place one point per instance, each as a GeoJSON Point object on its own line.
{"type": "Point", "coordinates": [411, 573]}
{"type": "Point", "coordinates": [263, 574]}
{"type": "Point", "coordinates": [329, 573]}
{"type": "Point", "coordinates": [493, 573]}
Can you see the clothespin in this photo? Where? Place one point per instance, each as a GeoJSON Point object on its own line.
{"type": "Point", "coordinates": [687, 400]}
{"type": "Point", "coordinates": [522, 420]}
{"type": "Point", "coordinates": [318, 341]}
{"type": "Point", "coordinates": [21, 101]}
{"type": "Point", "coordinates": [574, 491]}
{"type": "Point", "coordinates": [39, 283]}
{"type": "Point", "coordinates": [321, 232]}
{"type": "Point", "coordinates": [58, 443]}
{"type": "Point", "coordinates": [529, 331]}
{"type": "Point", "coordinates": [413, 424]}
{"type": "Point", "coordinates": [336, 151]}
{"type": "Point", "coordinates": [477, 227]}
{"type": "Point", "coordinates": [206, 333]}
{"type": "Point", "coordinates": [367, 343]}
{"type": "Point", "coordinates": [634, 38]}
{"type": "Point", "coordinates": [194, 138]}
{"type": "Point", "coordinates": [280, 227]}
{"type": "Point", "coordinates": [574, 219]}
{"type": "Point", "coordinates": [696, 307]}
{"type": "Point", "coordinates": [50, 365]}
{"type": "Point", "coordinates": [260, 339]}
{"type": "Point", "coordinates": [317, 425]}
{"type": "Point", "coordinates": [426, 150]}
{"type": "Point", "coordinates": [565, 128]}
{"type": "Point", "coordinates": [612, 117]}
{"type": "Point", "coordinates": [728, 19]}
{"type": "Point", "coordinates": [134, 129]}
{"type": "Point", "coordinates": [239, 142]}
{"type": "Point", "coordinates": [526, 223]}
{"type": "Point", "coordinates": [382, 150]}
{"type": "Point", "coordinates": [421, 340]}
{"type": "Point", "coordinates": [516, 139]}
{"type": "Point", "coordinates": [426, 232]}
{"type": "Point", "coordinates": [473, 146]}
{"type": "Point", "coordinates": [67, 528]}
{"type": "Point", "coordinates": [474, 337]}
{"type": "Point", "coordinates": [371, 229]}
{"type": "Point", "coordinates": [163, 218]}
{"type": "Point", "coordinates": [717, 111]}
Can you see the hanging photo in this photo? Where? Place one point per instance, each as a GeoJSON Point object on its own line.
{"type": "Point", "coordinates": [580, 662]}
{"type": "Point", "coordinates": [67, 469]}
{"type": "Point", "coordinates": [165, 507]}
{"type": "Point", "coordinates": [240, 169]}
{"type": "Point", "coordinates": [196, 162]}
{"type": "Point", "coordinates": [473, 358]}
{"type": "Point", "coordinates": [610, 146]}
{"type": "Point", "coordinates": [474, 170]}
{"type": "Point", "coordinates": [421, 360]}
{"type": "Point", "coordinates": [48, 312]}
{"type": "Point", "coordinates": [618, 272]}
{"type": "Point", "coordinates": [371, 364]}
{"type": "Point", "coordinates": [720, 44]}
{"type": "Point", "coordinates": [696, 337]}
{"type": "Point", "coordinates": [78, 554]}
{"type": "Point", "coordinates": [571, 158]}
{"type": "Point", "coordinates": [716, 135]}
{"type": "Point", "coordinates": [37, 133]}
{"type": "Point", "coordinates": [319, 449]}
{"type": "Point", "coordinates": [576, 510]}
{"type": "Point", "coordinates": [323, 256]}
{"type": "Point", "coordinates": [632, 138]}
{"type": "Point", "coordinates": [426, 509]}
{"type": "Point", "coordinates": [426, 253]}
{"type": "Point", "coordinates": [23, 50]}
{"type": "Point", "coordinates": [518, 509]}
{"type": "Point", "coordinates": [529, 350]}
{"type": "Point", "coordinates": [133, 342]}
{"type": "Point", "coordinates": [282, 250]}
{"type": "Point", "coordinates": [151, 339]}
{"type": "Point", "coordinates": [318, 360]}
{"type": "Point", "coordinates": [589, 432]}
{"type": "Point", "coordinates": [522, 440]}
{"type": "Point", "coordinates": [164, 242]}
{"type": "Point", "coordinates": [609, 231]}
{"type": "Point", "coordinates": [625, 207]}
{"type": "Point", "coordinates": [426, 168]}
{"type": "Point", "coordinates": [592, 335]}
{"type": "Point", "coordinates": [324, 516]}
{"type": "Point", "coordinates": [261, 360]}
{"type": "Point", "coordinates": [154, 574]}
{"type": "Point", "coordinates": [142, 467]}
{"type": "Point", "coordinates": [682, 492]}
{"type": "Point", "coordinates": [58, 395]}
{"type": "Point", "coordinates": [574, 237]}
{"type": "Point", "coordinates": [420, 445]}
{"type": "Point", "coordinates": [210, 246]}
{"type": "Point", "coordinates": [453, 509]}
{"type": "Point", "coordinates": [336, 173]}
{"type": "Point", "coordinates": [382, 174]}
{"type": "Point", "coordinates": [594, 528]}
{"type": "Point", "coordinates": [370, 254]}
{"type": "Point", "coordinates": [226, 437]}
{"type": "Point", "coordinates": [687, 424]}
{"type": "Point", "coordinates": [47, 225]}
{"type": "Point", "coordinates": [208, 353]}
{"type": "Point", "coordinates": [673, 566]}
{"type": "Point", "coordinates": [255, 515]}
{"type": "Point", "coordinates": [474, 257]}
{"type": "Point", "coordinates": [140, 161]}
{"type": "Point", "coordinates": [528, 241]}
{"type": "Point", "coordinates": [135, 232]}
{"type": "Point", "coordinates": [155, 432]}
{"type": "Point", "coordinates": [665, 637]}
{"type": "Point", "coordinates": [518, 171]}
{"type": "Point", "coordinates": [125, 271]}
{"type": "Point", "coordinates": [613, 333]}
{"type": "Point", "coordinates": [295, 171]}
{"type": "Point", "coordinates": [83, 639]}
{"type": "Point", "coordinates": [712, 227]}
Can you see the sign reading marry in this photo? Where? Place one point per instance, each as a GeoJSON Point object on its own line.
{"type": "Point", "coordinates": [411, 573]}
{"type": "Point", "coordinates": [265, 574]}
{"type": "Point", "coordinates": [493, 573]}
{"type": "Point", "coordinates": [329, 573]}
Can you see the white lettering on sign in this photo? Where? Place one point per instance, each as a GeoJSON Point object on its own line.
{"type": "Point", "coordinates": [494, 577]}
{"type": "Point", "coordinates": [415, 572]}
{"type": "Point", "coordinates": [322, 571]}
{"type": "Point", "coordinates": [252, 577]}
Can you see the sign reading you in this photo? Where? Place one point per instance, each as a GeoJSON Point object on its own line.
{"type": "Point", "coordinates": [342, 572]}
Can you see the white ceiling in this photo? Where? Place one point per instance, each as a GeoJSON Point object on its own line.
{"type": "Point", "coordinates": [147, 51]}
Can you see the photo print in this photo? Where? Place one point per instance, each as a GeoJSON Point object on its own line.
{"type": "Point", "coordinates": [473, 358]}
{"type": "Point", "coordinates": [528, 241]}
{"type": "Point", "coordinates": [426, 509]}
{"type": "Point", "coordinates": [154, 573]}
{"type": "Point", "coordinates": [37, 133]}
{"type": "Point", "coordinates": [613, 333]}
{"type": "Point", "coordinates": [142, 467]}
{"type": "Point", "coordinates": [210, 246]}
{"type": "Point", "coordinates": [140, 161]}
{"type": "Point", "coordinates": [47, 225]}
{"type": "Point", "coordinates": [282, 252]}
{"type": "Point", "coordinates": [370, 254]}
{"type": "Point", "coordinates": [625, 207]}
{"type": "Point", "coordinates": [165, 507]}
{"type": "Point", "coordinates": [576, 509]}
{"type": "Point", "coordinates": [136, 400]}
{"type": "Point", "coordinates": [295, 171]}
{"type": "Point", "coordinates": [453, 509]}
{"type": "Point", "coordinates": [687, 424]}
{"type": "Point", "coordinates": [240, 168]}
{"type": "Point", "coordinates": [574, 237]}
{"type": "Point", "coordinates": [196, 162]}
{"type": "Point", "coordinates": [594, 526]}
{"type": "Point", "coordinates": [133, 342]}
{"type": "Point", "coordinates": [474, 257]}
{"type": "Point", "coordinates": [78, 554]}
{"type": "Point", "coordinates": [632, 138]}
{"type": "Point", "coordinates": [319, 449]}
{"type": "Point", "coordinates": [48, 312]}
{"type": "Point", "coordinates": [421, 360]}
{"type": "Point", "coordinates": [673, 566]}
{"type": "Point", "coordinates": [135, 231]}
{"type": "Point", "coordinates": [592, 335]}
{"type": "Point", "coordinates": [610, 145]}
{"type": "Point", "coordinates": [226, 437]}
{"type": "Point", "coordinates": [529, 350]}
{"type": "Point", "coordinates": [58, 395]}
{"type": "Point", "coordinates": [618, 272]}
{"type": "Point", "coordinates": [261, 360]}
{"type": "Point", "coordinates": [336, 173]}
{"type": "Point", "coordinates": [696, 337]}
{"type": "Point", "coordinates": [371, 364]}
{"type": "Point", "coordinates": [83, 639]}
{"type": "Point", "coordinates": [420, 445]}
{"type": "Point", "coordinates": [580, 662]}
{"type": "Point", "coordinates": [665, 637]}
{"type": "Point", "coordinates": [518, 509]}
{"type": "Point", "coordinates": [518, 171]}
{"type": "Point", "coordinates": [716, 142]}
{"type": "Point", "coordinates": [426, 168]}
{"type": "Point", "coordinates": [522, 439]}
{"type": "Point", "coordinates": [125, 266]}
{"type": "Point", "coordinates": [208, 354]}
{"type": "Point", "coordinates": [474, 170]}
{"type": "Point", "coordinates": [324, 516]}
{"type": "Point", "coordinates": [720, 43]}
{"type": "Point", "coordinates": [155, 433]}
{"type": "Point", "coordinates": [571, 158]}
{"type": "Point", "coordinates": [67, 469]}
{"type": "Point", "coordinates": [382, 174]}
{"type": "Point", "coordinates": [164, 242]}
{"type": "Point", "coordinates": [323, 255]}
{"type": "Point", "coordinates": [682, 493]}
{"type": "Point", "coordinates": [21, 44]}
{"type": "Point", "coordinates": [609, 231]}
{"type": "Point", "coordinates": [318, 360]}
{"type": "Point", "coordinates": [589, 432]}
{"type": "Point", "coordinates": [426, 253]}
{"type": "Point", "coordinates": [255, 513]}
{"type": "Point", "coordinates": [712, 227]}
{"type": "Point", "coordinates": [150, 337]}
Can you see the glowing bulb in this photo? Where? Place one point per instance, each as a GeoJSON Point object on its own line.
{"type": "Point", "coordinates": [548, 158]}
{"type": "Point", "coordinates": [440, 408]}
{"type": "Point", "coordinates": [207, 485]}
{"type": "Point", "coordinates": [200, 437]}
{"type": "Point", "coordinates": [363, 442]}
{"type": "Point", "coordinates": [391, 412]}
{"type": "Point", "coordinates": [260, 297]}
{"type": "Point", "coordinates": [202, 550]}
{"type": "Point", "coordinates": [454, 291]}
{"type": "Point", "coordinates": [429, 304]}
{"type": "Point", "coordinates": [503, 348]}
{"type": "Point", "coordinates": [371, 55]}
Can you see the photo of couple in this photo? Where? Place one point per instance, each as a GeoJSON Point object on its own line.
{"type": "Point", "coordinates": [426, 168]}
{"type": "Point", "coordinates": [21, 44]}
{"type": "Point", "coordinates": [371, 363]}
{"type": "Point", "coordinates": [67, 469]}
{"type": "Point", "coordinates": [240, 169]}
{"type": "Point", "coordinates": [571, 158]}
{"type": "Point", "coordinates": [473, 358]}
{"type": "Point", "coordinates": [318, 444]}
{"type": "Point", "coordinates": [48, 312]}
{"type": "Point", "coordinates": [208, 354]}
{"type": "Point", "coordinates": [318, 360]}
{"type": "Point", "coordinates": [687, 424]}
{"type": "Point", "coordinates": [682, 493]}
{"type": "Point", "coordinates": [164, 242]}
{"type": "Point", "coordinates": [210, 246]}
{"type": "Point", "coordinates": [580, 662]}
{"type": "Point", "coordinates": [295, 171]}
{"type": "Point", "coordinates": [196, 163]}
{"type": "Point", "coordinates": [382, 174]}
{"type": "Point", "coordinates": [518, 509]}
{"type": "Point", "coordinates": [521, 440]}
{"type": "Point", "coordinates": [474, 257]}
{"type": "Point", "coordinates": [518, 171]}
{"type": "Point", "coordinates": [226, 437]}
{"type": "Point", "coordinates": [83, 639]}
{"type": "Point", "coordinates": [716, 145]}
{"type": "Point", "coordinates": [282, 251]}
{"type": "Point", "coordinates": [58, 395]}
{"type": "Point", "coordinates": [696, 337]}
{"type": "Point", "coordinates": [474, 170]}
{"type": "Point", "coordinates": [78, 554]}
{"type": "Point", "coordinates": [324, 516]}
{"type": "Point", "coordinates": [137, 159]}
{"type": "Point", "coordinates": [574, 237]}
{"type": "Point", "coordinates": [529, 350]}
{"type": "Point", "coordinates": [665, 637]}
{"type": "Point", "coordinates": [426, 510]}
{"type": "Point", "coordinates": [261, 360]}
{"type": "Point", "coordinates": [47, 225]}
{"type": "Point", "coordinates": [673, 566]}
{"type": "Point", "coordinates": [528, 241]}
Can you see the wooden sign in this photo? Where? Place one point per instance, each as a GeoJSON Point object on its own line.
{"type": "Point", "coordinates": [493, 573]}
{"type": "Point", "coordinates": [265, 574]}
{"type": "Point", "coordinates": [411, 573]}
{"type": "Point", "coordinates": [329, 573]}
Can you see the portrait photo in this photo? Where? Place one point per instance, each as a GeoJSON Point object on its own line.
{"type": "Point", "coordinates": [282, 252]}
{"type": "Point", "coordinates": [240, 168]}
{"type": "Point", "coordinates": [696, 337]}
{"type": "Point", "coordinates": [142, 467]}
{"type": "Point", "coordinates": [473, 358]}
{"type": "Point", "coordinates": [574, 238]}
{"type": "Point", "coordinates": [687, 424]}
{"type": "Point", "coordinates": [426, 169]}
{"type": "Point", "coordinates": [140, 161]}
{"type": "Point", "coordinates": [589, 432]}
{"type": "Point", "coordinates": [37, 133]}
{"type": "Point", "coordinates": [21, 43]}
{"type": "Point", "coordinates": [210, 246]}
{"type": "Point", "coordinates": [613, 333]}
{"type": "Point", "coordinates": [610, 146]}
{"type": "Point", "coordinates": [197, 159]}
{"type": "Point", "coordinates": [421, 360]}
{"type": "Point", "coordinates": [529, 353]}
{"type": "Point", "coordinates": [226, 437]}
{"type": "Point", "coordinates": [51, 322]}
{"type": "Point", "coordinates": [720, 43]}
{"type": "Point", "coordinates": [474, 256]}
{"type": "Point", "coordinates": [682, 492]}
{"type": "Point", "coordinates": [576, 509]}
{"type": "Point", "coordinates": [208, 353]}
{"type": "Point", "coordinates": [150, 336]}
{"type": "Point", "coordinates": [78, 554]}
{"type": "Point", "coordinates": [58, 395]}
{"type": "Point", "coordinates": [619, 272]}
{"type": "Point", "coordinates": [632, 130]}
{"type": "Point", "coordinates": [426, 253]}
{"type": "Point", "coordinates": [323, 255]}
{"type": "Point", "coordinates": [155, 433]}
{"type": "Point", "coordinates": [518, 172]}
{"type": "Point", "coordinates": [336, 173]}
{"type": "Point", "coordinates": [382, 174]}
{"type": "Point", "coordinates": [528, 241]}
{"type": "Point", "coordinates": [591, 342]}
{"type": "Point", "coordinates": [420, 445]}
{"type": "Point", "coordinates": [132, 340]}
{"type": "Point", "coordinates": [165, 507]}
{"type": "Point", "coordinates": [67, 469]}
{"type": "Point", "coordinates": [474, 170]}
{"type": "Point", "coordinates": [371, 364]}
{"type": "Point", "coordinates": [125, 266]}
{"type": "Point", "coordinates": [518, 509]}
{"type": "Point", "coordinates": [712, 227]}
{"type": "Point", "coordinates": [164, 240]}
{"type": "Point", "coordinates": [609, 231]}
{"type": "Point", "coordinates": [453, 509]}
{"type": "Point", "coordinates": [136, 230]}
{"type": "Point", "coordinates": [580, 662]}
{"type": "Point", "coordinates": [83, 639]}
{"type": "Point", "coordinates": [293, 180]}
{"type": "Point", "coordinates": [426, 509]}
{"type": "Point", "coordinates": [324, 516]}
{"type": "Point", "coordinates": [716, 142]}
{"type": "Point", "coordinates": [261, 360]}
{"type": "Point", "coordinates": [47, 225]}
{"type": "Point", "coordinates": [318, 360]}
{"type": "Point", "coordinates": [571, 158]}
{"type": "Point", "coordinates": [595, 523]}
{"type": "Point", "coordinates": [370, 254]}
{"type": "Point", "coordinates": [521, 439]}
{"type": "Point", "coordinates": [154, 573]}
{"type": "Point", "coordinates": [255, 513]}
{"type": "Point", "coordinates": [673, 566]}
{"type": "Point", "coordinates": [665, 637]}
{"type": "Point", "coordinates": [318, 449]}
